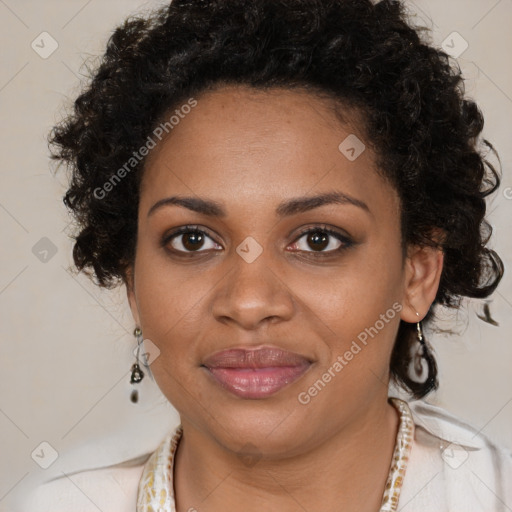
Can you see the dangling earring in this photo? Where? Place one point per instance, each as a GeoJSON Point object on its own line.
{"type": "Point", "coordinates": [136, 373]}
{"type": "Point", "coordinates": [419, 357]}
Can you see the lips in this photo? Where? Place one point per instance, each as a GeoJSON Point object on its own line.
{"type": "Point", "coordinates": [257, 373]}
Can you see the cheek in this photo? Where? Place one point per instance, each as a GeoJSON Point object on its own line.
{"type": "Point", "coordinates": [171, 304]}
{"type": "Point", "coordinates": [170, 313]}
{"type": "Point", "coordinates": [356, 302]}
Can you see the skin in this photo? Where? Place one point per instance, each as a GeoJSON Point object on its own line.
{"type": "Point", "coordinates": [249, 151]}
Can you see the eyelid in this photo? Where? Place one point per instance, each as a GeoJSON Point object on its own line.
{"type": "Point", "coordinates": [324, 228]}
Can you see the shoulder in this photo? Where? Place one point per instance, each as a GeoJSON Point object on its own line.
{"type": "Point", "coordinates": [110, 489]}
{"type": "Point", "coordinates": [454, 466]}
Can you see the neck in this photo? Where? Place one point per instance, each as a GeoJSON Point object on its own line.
{"type": "Point", "coordinates": [347, 471]}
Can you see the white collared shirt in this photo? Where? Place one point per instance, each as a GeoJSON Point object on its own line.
{"type": "Point", "coordinates": [452, 468]}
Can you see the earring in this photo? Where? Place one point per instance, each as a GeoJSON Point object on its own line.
{"type": "Point", "coordinates": [419, 357]}
{"type": "Point", "coordinates": [136, 373]}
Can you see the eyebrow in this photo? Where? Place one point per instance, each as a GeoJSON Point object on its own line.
{"type": "Point", "coordinates": [284, 209]}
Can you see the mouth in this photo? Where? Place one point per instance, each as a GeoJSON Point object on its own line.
{"type": "Point", "coordinates": [255, 374]}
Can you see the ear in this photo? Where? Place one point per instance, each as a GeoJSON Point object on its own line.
{"type": "Point", "coordinates": [130, 293]}
{"type": "Point", "coordinates": [424, 266]}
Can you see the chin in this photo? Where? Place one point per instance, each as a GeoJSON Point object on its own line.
{"type": "Point", "coordinates": [273, 427]}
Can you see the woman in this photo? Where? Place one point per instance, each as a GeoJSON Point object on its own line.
{"type": "Point", "coordinates": [287, 189]}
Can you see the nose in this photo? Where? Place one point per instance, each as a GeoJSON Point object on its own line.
{"type": "Point", "coordinates": [252, 294]}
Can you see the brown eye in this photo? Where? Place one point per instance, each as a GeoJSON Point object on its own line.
{"type": "Point", "coordinates": [192, 241]}
{"type": "Point", "coordinates": [318, 240]}
{"type": "Point", "coordinates": [187, 240]}
{"type": "Point", "coordinates": [321, 240]}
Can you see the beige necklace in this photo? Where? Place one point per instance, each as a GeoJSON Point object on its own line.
{"type": "Point", "coordinates": [156, 489]}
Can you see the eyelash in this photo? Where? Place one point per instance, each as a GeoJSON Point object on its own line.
{"type": "Point", "coordinates": [345, 240]}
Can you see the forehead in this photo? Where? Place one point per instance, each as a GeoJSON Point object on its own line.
{"type": "Point", "coordinates": [247, 145]}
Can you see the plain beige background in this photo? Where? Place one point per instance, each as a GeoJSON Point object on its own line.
{"type": "Point", "coordinates": [66, 346]}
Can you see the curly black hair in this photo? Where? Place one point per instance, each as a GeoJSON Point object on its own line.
{"type": "Point", "coordinates": [363, 55]}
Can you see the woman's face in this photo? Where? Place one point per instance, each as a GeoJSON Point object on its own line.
{"type": "Point", "coordinates": [264, 272]}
